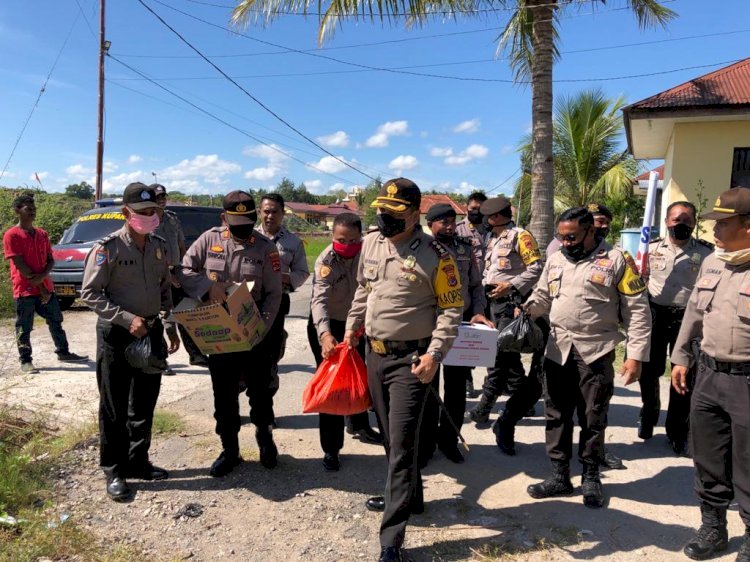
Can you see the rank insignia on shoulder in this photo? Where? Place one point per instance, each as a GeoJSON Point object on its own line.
{"type": "Point", "coordinates": [225, 234]}
{"type": "Point", "coordinates": [439, 249]}
{"type": "Point", "coordinates": [158, 253]}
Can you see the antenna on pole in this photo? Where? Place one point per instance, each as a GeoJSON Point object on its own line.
{"type": "Point", "coordinates": [103, 48]}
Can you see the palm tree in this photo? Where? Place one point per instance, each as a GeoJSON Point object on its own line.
{"type": "Point", "coordinates": [589, 164]}
{"type": "Point", "coordinates": [529, 39]}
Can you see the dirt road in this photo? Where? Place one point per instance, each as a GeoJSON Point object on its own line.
{"type": "Point", "coordinates": [477, 510]}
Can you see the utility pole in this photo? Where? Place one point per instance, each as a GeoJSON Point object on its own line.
{"type": "Point", "coordinates": [103, 46]}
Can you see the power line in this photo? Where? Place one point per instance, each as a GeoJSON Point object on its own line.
{"type": "Point", "coordinates": [86, 19]}
{"type": "Point", "coordinates": [506, 180]}
{"type": "Point", "coordinates": [401, 70]}
{"type": "Point", "coordinates": [406, 72]}
{"type": "Point", "coordinates": [251, 96]}
{"type": "Point", "coordinates": [39, 97]}
{"type": "Point", "coordinates": [224, 122]}
{"type": "Point", "coordinates": [422, 37]}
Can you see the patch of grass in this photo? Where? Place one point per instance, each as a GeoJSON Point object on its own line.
{"type": "Point", "coordinates": [167, 423]}
{"type": "Point", "coordinates": [559, 537]}
{"type": "Point", "coordinates": [29, 453]}
{"type": "Point", "coordinates": [314, 245]}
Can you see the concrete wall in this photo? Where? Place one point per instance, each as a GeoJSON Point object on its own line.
{"type": "Point", "coordinates": [701, 151]}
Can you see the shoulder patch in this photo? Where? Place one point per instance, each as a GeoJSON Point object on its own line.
{"type": "Point", "coordinates": [631, 282]}
{"type": "Point", "coordinates": [447, 285]}
{"type": "Point", "coordinates": [440, 250]}
{"type": "Point", "coordinates": [528, 249]}
{"type": "Point", "coordinates": [101, 256]}
{"type": "Point", "coordinates": [324, 271]}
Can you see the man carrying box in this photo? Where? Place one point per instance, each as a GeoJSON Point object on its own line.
{"type": "Point", "coordinates": [227, 254]}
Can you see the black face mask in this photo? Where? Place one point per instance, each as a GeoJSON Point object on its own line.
{"type": "Point", "coordinates": [602, 232]}
{"type": "Point", "coordinates": [242, 231]}
{"type": "Point", "coordinates": [475, 217]}
{"type": "Point", "coordinates": [389, 225]}
{"type": "Point", "coordinates": [576, 252]}
{"type": "Point", "coordinates": [680, 231]}
{"type": "Point", "coordinates": [444, 238]}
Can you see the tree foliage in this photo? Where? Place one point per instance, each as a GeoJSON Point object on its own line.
{"type": "Point", "coordinates": [80, 191]}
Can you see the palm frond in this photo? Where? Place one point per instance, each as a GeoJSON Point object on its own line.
{"type": "Point", "coordinates": [651, 13]}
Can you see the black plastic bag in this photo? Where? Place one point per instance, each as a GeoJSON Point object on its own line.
{"type": "Point", "coordinates": [521, 335]}
{"type": "Point", "coordinates": [142, 354]}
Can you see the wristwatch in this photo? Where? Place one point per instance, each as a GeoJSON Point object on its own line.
{"type": "Point", "coordinates": [437, 356]}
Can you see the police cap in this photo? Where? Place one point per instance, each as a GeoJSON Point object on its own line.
{"type": "Point", "coordinates": [733, 202]}
{"type": "Point", "coordinates": [398, 195]}
{"type": "Point", "coordinates": [158, 188]}
{"type": "Point", "coordinates": [239, 208]}
{"type": "Point", "coordinates": [500, 204]}
{"type": "Point", "coordinates": [440, 211]}
{"type": "Point", "coordinates": [139, 196]}
{"type": "Point", "coordinates": [596, 209]}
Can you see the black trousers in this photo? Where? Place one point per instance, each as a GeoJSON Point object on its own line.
{"type": "Point", "coordinates": [666, 325]}
{"type": "Point", "coordinates": [720, 439]}
{"type": "Point", "coordinates": [398, 397]}
{"type": "Point", "coordinates": [273, 343]}
{"type": "Point", "coordinates": [227, 369]}
{"type": "Point", "coordinates": [127, 398]}
{"type": "Point", "coordinates": [330, 427]}
{"type": "Point", "coordinates": [585, 389]}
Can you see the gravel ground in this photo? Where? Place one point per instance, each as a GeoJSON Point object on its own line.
{"type": "Point", "coordinates": [475, 511]}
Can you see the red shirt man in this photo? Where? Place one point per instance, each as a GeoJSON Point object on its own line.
{"type": "Point", "coordinates": [36, 251]}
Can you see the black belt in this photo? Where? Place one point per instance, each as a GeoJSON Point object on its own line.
{"type": "Point", "coordinates": [725, 367]}
{"type": "Point", "coordinates": [670, 309]}
{"type": "Point", "coordinates": [387, 347]}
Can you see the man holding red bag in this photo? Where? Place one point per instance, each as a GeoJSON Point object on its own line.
{"type": "Point", "coordinates": [334, 283]}
{"type": "Point", "coordinates": [409, 300]}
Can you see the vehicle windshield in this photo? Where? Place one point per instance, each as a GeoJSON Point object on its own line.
{"type": "Point", "coordinates": [92, 227]}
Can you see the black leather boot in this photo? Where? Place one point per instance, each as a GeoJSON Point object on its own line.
{"type": "Point", "coordinates": [505, 432]}
{"type": "Point", "coordinates": [481, 412]}
{"type": "Point", "coordinates": [558, 484]}
{"type": "Point", "coordinates": [591, 486]}
{"type": "Point", "coordinates": [268, 452]}
{"type": "Point", "coordinates": [744, 553]}
{"type": "Point", "coordinates": [712, 537]}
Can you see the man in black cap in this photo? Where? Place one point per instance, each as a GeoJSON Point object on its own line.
{"type": "Point", "coordinates": [126, 282]}
{"type": "Point", "coordinates": [171, 230]}
{"type": "Point", "coordinates": [220, 257]}
{"type": "Point", "coordinates": [513, 265]}
{"type": "Point", "coordinates": [718, 312]}
{"type": "Point", "coordinates": [409, 301]}
{"type": "Point", "coordinates": [441, 219]}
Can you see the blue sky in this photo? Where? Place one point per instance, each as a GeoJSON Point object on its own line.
{"type": "Point", "coordinates": [445, 133]}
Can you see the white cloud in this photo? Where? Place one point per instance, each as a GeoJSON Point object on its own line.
{"type": "Point", "coordinates": [472, 152]}
{"type": "Point", "coordinates": [470, 126]}
{"type": "Point", "coordinates": [78, 170]}
{"type": "Point", "coordinates": [339, 139]}
{"type": "Point", "coordinates": [109, 167]}
{"type": "Point", "coordinates": [204, 168]}
{"type": "Point", "coordinates": [327, 165]}
{"type": "Point", "coordinates": [314, 186]}
{"type": "Point", "coordinates": [387, 130]}
{"type": "Point", "coordinates": [134, 159]}
{"type": "Point", "coordinates": [336, 186]}
{"type": "Point", "coordinates": [117, 183]}
{"type": "Point", "coordinates": [403, 162]}
{"type": "Point", "coordinates": [441, 152]}
{"type": "Point", "coordinates": [261, 174]}
{"type": "Point", "coordinates": [466, 187]}
{"type": "Point", "coordinates": [274, 157]}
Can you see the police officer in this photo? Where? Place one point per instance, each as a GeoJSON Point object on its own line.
{"type": "Point", "coordinates": [441, 219]}
{"type": "Point", "coordinates": [674, 262]}
{"type": "Point", "coordinates": [171, 230]}
{"type": "Point", "coordinates": [221, 256]}
{"type": "Point", "coordinates": [513, 264]}
{"type": "Point", "coordinates": [294, 273]}
{"type": "Point", "coordinates": [126, 282]}
{"type": "Point", "coordinates": [334, 283]}
{"type": "Point", "coordinates": [719, 312]}
{"type": "Point", "coordinates": [585, 288]}
{"type": "Point", "coordinates": [409, 300]}
{"type": "Point", "coordinates": [472, 226]}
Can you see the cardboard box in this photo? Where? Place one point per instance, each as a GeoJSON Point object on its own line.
{"type": "Point", "coordinates": [474, 346]}
{"type": "Point", "coordinates": [216, 328]}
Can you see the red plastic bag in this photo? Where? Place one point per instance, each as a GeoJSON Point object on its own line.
{"type": "Point", "coordinates": [339, 386]}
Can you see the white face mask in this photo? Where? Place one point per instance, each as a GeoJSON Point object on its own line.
{"type": "Point", "coordinates": [738, 257]}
